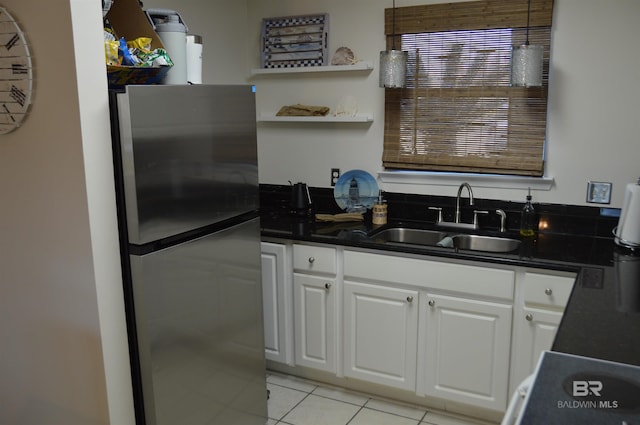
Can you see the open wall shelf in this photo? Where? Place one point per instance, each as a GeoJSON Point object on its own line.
{"type": "Point", "coordinates": [359, 66]}
{"type": "Point", "coordinates": [360, 118]}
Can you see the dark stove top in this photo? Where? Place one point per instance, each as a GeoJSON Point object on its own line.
{"type": "Point", "coordinates": [576, 390]}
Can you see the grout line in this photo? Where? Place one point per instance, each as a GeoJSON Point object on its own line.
{"type": "Point", "coordinates": [407, 405]}
{"type": "Point", "coordinates": [341, 401]}
{"type": "Point", "coordinates": [307, 394]}
{"type": "Point", "coordinates": [289, 388]}
{"type": "Point", "coordinates": [356, 414]}
{"type": "Point", "coordinates": [281, 421]}
{"type": "Point", "coordinates": [296, 405]}
{"type": "Point", "coordinates": [396, 414]}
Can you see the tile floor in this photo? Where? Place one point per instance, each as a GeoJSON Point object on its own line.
{"type": "Point", "coordinates": [295, 401]}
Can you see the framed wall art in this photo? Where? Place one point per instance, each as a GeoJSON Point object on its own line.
{"type": "Point", "coordinates": [295, 41]}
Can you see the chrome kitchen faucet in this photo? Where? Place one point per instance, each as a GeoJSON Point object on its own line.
{"type": "Point", "coordinates": [456, 222]}
{"type": "Point", "coordinates": [462, 186]}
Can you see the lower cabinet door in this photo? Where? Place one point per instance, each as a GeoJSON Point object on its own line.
{"type": "Point", "coordinates": [315, 321]}
{"type": "Point", "coordinates": [535, 330]}
{"type": "Point", "coordinates": [464, 355]}
{"type": "Point", "coordinates": [273, 301]}
{"type": "Point", "coordinates": [380, 334]}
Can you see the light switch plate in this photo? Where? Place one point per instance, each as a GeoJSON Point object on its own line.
{"type": "Point", "coordinates": [599, 192]}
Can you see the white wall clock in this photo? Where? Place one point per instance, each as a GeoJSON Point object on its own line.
{"type": "Point", "coordinates": [16, 74]}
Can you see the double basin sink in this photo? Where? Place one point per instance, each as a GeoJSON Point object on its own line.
{"type": "Point", "coordinates": [413, 236]}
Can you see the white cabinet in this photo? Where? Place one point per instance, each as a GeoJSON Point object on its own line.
{"type": "Point", "coordinates": [463, 337]}
{"type": "Point", "coordinates": [276, 297]}
{"type": "Point", "coordinates": [465, 350]}
{"type": "Point", "coordinates": [457, 331]}
{"type": "Point", "coordinates": [547, 290]}
{"type": "Point", "coordinates": [314, 306]}
{"type": "Point", "coordinates": [538, 314]}
{"type": "Point", "coordinates": [380, 334]}
{"type": "Point", "coordinates": [314, 259]}
{"type": "Point", "coordinates": [314, 315]}
{"type": "Point", "coordinates": [539, 309]}
{"type": "Point", "coordinates": [536, 331]}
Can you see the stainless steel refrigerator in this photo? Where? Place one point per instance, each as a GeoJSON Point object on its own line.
{"type": "Point", "coordinates": [187, 194]}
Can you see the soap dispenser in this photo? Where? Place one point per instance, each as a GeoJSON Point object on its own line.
{"type": "Point", "coordinates": [379, 216]}
{"type": "Point", "coordinates": [528, 219]}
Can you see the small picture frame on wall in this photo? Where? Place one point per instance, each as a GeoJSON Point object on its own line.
{"type": "Point", "coordinates": [295, 41]}
{"type": "Point", "coordinates": [599, 192]}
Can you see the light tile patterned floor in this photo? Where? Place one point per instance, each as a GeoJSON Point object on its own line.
{"type": "Point", "coordinates": [295, 401]}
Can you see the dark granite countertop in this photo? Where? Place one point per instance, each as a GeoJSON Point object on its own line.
{"type": "Point", "coordinates": [602, 318]}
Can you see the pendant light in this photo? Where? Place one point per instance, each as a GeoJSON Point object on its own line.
{"type": "Point", "coordinates": [393, 63]}
{"type": "Point", "coordinates": [526, 62]}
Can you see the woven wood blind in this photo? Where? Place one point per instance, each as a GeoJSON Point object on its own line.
{"type": "Point", "coordinates": [458, 111]}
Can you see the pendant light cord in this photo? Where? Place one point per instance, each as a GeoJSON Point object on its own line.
{"type": "Point", "coordinates": [528, 15]}
{"type": "Point", "coordinates": [393, 26]}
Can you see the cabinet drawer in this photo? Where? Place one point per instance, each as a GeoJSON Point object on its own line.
{"type": "Point", "coordinates": [451, 277]}
{"type": "Point", "coordinates": [547, 290]}
{"type": "Point", "coordinates": [308, 258]}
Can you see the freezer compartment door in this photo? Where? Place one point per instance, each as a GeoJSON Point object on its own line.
{"type": "Point", "coordinates": [198, 310]}
{"type": "Point", "coordinates": [189, 157]}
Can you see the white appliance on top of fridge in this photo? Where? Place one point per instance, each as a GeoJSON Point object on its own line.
{"type": "Point", "coordinates": [186, 174]}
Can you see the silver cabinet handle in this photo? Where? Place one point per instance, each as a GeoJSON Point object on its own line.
{"type": "Point", "coordinates": [529, 317]}
{"type": "Point", "coordinates": [548, 291]}
{"type": "Point", "coordinates": [409, 299]}
{"type": "Point", "coordinates": [311, 260]}
{"type": "Point", "coordinates": [327, 285]}
{"type": "Point", "coordinates": [431, 303]}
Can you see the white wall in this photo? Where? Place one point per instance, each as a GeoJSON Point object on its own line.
{"type": "Point", "coordinates": [594, 97]}
{"type": "Point", "coordinates": [594, 100]}
{"type": "Point", "coordinates": [223, 26]}
{"type": "Point", "coordinates": [304, 152]}
{"type": "Point", "coordinates": [63, 355]}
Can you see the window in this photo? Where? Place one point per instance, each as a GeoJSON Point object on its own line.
{"type": "Point", "coordinates": [458, 111]}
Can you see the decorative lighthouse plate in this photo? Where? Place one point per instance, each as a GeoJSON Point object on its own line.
{"type": "Point", "coordinates": [356, 191]}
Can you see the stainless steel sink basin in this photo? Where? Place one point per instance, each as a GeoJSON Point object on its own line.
{"type": "Point", "coordinates": [410, 236]}
{"type": "Point", "coordinates": [485, 243]}
{"type": "Point", "coordinates": [413, 236]}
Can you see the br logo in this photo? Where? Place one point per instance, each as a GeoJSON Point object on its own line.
{"type": "Point", "coordinates": [587, 388]}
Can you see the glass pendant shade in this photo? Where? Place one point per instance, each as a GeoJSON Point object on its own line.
{"type": "Point", "coordinates": [526, 65]}
{"type": "Point", "coordinates": [393, 68]}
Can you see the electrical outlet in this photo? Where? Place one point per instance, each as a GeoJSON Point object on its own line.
{"type": "Point", "coordinates": [335, 175]}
